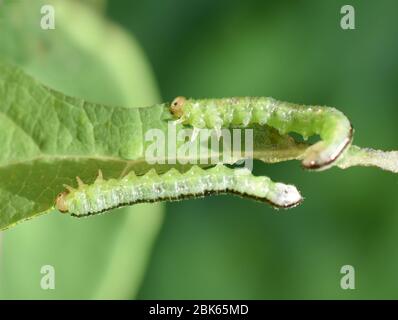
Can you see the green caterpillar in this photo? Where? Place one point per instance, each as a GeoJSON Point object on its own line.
{"type": "Point", "coordinates": [332, 125]}
{"type": "Point", "coordinates": [103, 195]}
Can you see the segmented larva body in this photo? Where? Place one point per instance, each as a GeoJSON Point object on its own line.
{"type": "Point", "coordinates": [103, 195]}
{"type": "Point", "coordinates": [332, 125]}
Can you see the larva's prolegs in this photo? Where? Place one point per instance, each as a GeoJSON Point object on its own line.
{"type": "Point", "coordinates": [330, 124]}
{"type": "Point", "coordinates": [103, 195]}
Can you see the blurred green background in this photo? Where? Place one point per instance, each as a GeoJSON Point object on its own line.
{"type": "Point", "coordinates": [225, 247]}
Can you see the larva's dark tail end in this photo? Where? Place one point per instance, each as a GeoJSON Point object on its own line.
{"type": "Point", "coordinates": [292, 205]}
{"type": "Point", "coordinates": [284, 196]}
{"type": "Point", "coordinates": [322, 154]}
{"type": "Point", "coordinates": [288, 206]}
{"type": "Point", "coordinates": [277, 206]}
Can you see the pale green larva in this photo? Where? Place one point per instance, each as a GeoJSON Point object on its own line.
{"type": "Point", "coordinates": [332, 125]}
{"type": "Point", "coordinates": [103, 195]}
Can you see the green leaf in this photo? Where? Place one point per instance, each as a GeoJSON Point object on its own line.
{"type": "Point", "coordinates": [84, 56]}
{"type": "Point", "coordinates": [51, 138]}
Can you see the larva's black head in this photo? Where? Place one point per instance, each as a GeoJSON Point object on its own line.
{"type": "Point", "coordinates": [176, 107]}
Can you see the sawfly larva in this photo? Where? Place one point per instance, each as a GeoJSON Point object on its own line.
{"type": "Point", "coordinates": [103, 195]}
{"type": "Point", "coordinates": [331, 125]}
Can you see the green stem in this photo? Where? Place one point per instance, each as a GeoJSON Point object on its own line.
{"type": "Point", "coordinates": [366, 157]}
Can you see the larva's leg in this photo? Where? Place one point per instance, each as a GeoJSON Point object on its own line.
{"type": "Point", "coordinates": [104, 195]}
{"type": "Point", "coordinates": [330, 124]}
